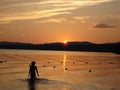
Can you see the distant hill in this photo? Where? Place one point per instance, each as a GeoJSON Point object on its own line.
{"type": "Point", "coordinates": [70, 46]}
{"type": "Point", "coordinates": [80, 43]}
{"type": "Point", "coordinates": [10, 43]}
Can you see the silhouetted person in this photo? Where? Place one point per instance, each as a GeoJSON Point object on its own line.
{"type": "Point", "coordinates": [32, 71]}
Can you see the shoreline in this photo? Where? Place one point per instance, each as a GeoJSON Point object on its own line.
{"type": "Point", "coordinates": [118, 53]}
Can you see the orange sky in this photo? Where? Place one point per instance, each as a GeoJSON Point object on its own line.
{"type": "Point", "coordinates": [42, 21]}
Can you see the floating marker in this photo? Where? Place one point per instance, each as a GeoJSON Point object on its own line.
{"type": "Point", "coordinates": [66, 69]}
{"type": "Point", "coordinates": [73, 62]}
{"type": "Point", "coordinates": [90, 70]}
{"type": "Point", "coordinates": [54, 67]}
{"type": "Point", "coordinates": [44, 65]}
{"type": "Point", "coordinates": [1, 61]}
{"type": "Point", "coordinates": [48, 62]}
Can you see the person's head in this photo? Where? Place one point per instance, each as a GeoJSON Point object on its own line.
{"type": "Point", "coordinates": [33, 63]}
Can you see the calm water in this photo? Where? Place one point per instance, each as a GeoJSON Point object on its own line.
{"type": "Point", "coordinates": [60, 70]}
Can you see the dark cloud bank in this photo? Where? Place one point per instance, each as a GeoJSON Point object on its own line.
{"type": "Point", "coordinates": [103, 26]}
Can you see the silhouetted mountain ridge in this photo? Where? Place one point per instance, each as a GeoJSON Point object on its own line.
{"type": "Point", "coordinates": [70, 46]}
{"type": "Point", "coordinates": [8, 43]}
{"type": "Point", "coordinates": [80, 43]}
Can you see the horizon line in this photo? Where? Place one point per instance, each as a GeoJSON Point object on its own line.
{"type": "Point", "coordinates": [57, 42]}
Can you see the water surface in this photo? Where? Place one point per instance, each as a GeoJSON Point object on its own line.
{"type": "Point", "coordinates": [60, 70]}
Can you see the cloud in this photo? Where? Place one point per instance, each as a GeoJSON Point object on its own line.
{"type": "Point", "coordinates": [75, 19]}
{"type": "Point", "coordinates": [60, 20]}
{"type": "Point", "coordinates": [82, 19]}
{"type": "Point", "coordinates": [103, 26]}
{"type": "Point", "coordinates": [33, 15]}
{"type": "Point", "coordinates": [74, 3]}
{"type": "Point", "coordinates": [15, 10]}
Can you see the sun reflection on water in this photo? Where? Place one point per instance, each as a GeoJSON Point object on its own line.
{"type": "Point", "coordinates": [64, 62]}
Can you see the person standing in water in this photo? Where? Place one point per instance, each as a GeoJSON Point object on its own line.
{"type": "Point", "coordinates": [32, 71]}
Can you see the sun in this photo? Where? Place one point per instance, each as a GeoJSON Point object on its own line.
{"type": "Point", "coordinates": [65, 42]}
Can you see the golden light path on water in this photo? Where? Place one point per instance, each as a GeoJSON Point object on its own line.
{"type": "Point", "coordinates": [64, 63]}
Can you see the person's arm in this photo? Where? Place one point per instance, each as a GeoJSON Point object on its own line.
{"type": "Point", "coordinates": [29, 72]}
{"type": "Point", "coordinates": [37, 71]}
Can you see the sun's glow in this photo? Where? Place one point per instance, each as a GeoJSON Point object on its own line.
{"type": "Point", "coordinates": [65, 42]}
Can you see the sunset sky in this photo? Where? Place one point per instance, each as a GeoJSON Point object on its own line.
{"type": "Point", "coordinates": [43, 21]}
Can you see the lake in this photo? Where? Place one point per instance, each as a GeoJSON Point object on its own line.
{"type": "Point", "coordinates": [59, 70]}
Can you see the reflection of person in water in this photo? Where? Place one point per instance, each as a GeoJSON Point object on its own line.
{"type": "Point", "coordinates": [32, 71]}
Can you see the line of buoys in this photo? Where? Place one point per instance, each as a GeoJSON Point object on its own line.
{"type": "Point", "coordinates": [66, 68]}
{"type": "Point", "coordinates": [3, 61]}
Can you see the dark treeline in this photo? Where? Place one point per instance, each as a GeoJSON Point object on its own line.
{"type": "Point", "coordinates": [70, 46]}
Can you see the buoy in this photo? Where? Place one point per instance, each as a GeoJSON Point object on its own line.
{"type": "Point", "coordinates": [5, 61]}
{"type": "Point", "coordinates": [48, 62]}
{"type": "Point", "coordinates": [90, 70]}
{"type": "Point", "coordinates": [44, 65]}
{"type": "Point", "coordinates": [66, 69]}
{"type": "Point", "coordinates": [73, 62]}
{"type": "Point", "coordinates": [1, 61]}
{"type": "Point", "coordinates": [54, 67]}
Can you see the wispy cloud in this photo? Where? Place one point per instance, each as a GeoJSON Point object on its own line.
{"type": "Point", "coordinates": [75, 19]}
{"type": "Point", "coordinates": [60, 20]}
{"type": "Point", "coordinates": [82, 19]}
{"type": "Point", "coordinates": [103, 26]}
{"type": "Point", "coordinates": [13, 10]}
{"type": "Point", "coordinates": [33, 15]}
